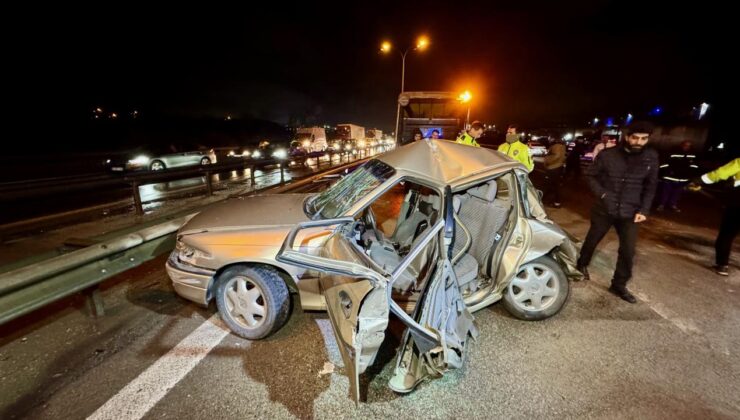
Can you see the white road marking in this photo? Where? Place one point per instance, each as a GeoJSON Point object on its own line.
{"type": "Point", "coordinates": [141, 394]}
{"type": "Point", "coordinates": [330, 342]}
{"type": "Point", "coordinates": [686, 325]}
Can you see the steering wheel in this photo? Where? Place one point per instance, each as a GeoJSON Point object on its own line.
{"type": "Point", "coordinates": [370, 221]}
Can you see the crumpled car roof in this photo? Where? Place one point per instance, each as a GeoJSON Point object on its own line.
{"type": "Point", "coordinates": [445, 162]}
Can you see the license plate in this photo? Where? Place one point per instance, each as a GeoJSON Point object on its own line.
{"type": "Point", "coordinates": [116, 169]}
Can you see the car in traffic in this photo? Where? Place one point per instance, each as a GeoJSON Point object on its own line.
{"type": "Point", "coordinates": [431, 232]}
{"type": "Point", "coordinates": [160, 158]}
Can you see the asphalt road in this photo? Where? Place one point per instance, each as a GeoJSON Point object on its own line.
{"type": "Point", "coordinates": [672, 355]}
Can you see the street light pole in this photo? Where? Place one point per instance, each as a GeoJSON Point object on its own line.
{"type": "Point", "coordinates": [421, 44]}
{"type": "Point", "coordinates": [403, 80]}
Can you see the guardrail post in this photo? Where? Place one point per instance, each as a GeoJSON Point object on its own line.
{"type": "Point", "coordinates": [209, 184]}
{"type": "Point", "coordinates": [251, 175]}
{"type": "Point", "coordinates": [282, 172]}
{"type": "Point", "coordinates": [137, 198]}
{"type": "Point", "coordinates": [94, 301]}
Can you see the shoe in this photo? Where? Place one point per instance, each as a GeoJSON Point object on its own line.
{"type": "Point", "coordinates": [623, 294]}
{"type": "Point", "coordinates": [722, 270]}
{"type": "Point", "coordinates": [584, 270]}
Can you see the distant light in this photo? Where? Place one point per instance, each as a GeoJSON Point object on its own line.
{"type": "Point", "coordinates": [721, 146]}
{"type": "Point", "coordinates": [114, 115]}
{"type": "Point", "coordinates": [228, 118]}
{"type": "Point", "coordinates": [568, 137]}
{"type": "Point", "coordinates": [629, 118]}
{"type": "Point", "coordinates": [596, 120]}
{"type": "Point", "coordinates": [422, 43]}
{"type": "Point", "coordinates": [98, 110]}
{"type": "Point", "coordinates": [465, 96]}
{"type": "Point", "coordinates": [703, 110]}
{"type": "Point", "coordinates": [610, 121]}
{"type": "Point", "coordinates": [657, 110]}
{"type": "Point", "coordinates": [385, 47]}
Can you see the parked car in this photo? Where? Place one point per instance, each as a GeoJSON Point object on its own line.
{"type": "Point", "coordinates": [160, 158]}
{"type": "Point", "coordinates": [432, 232]}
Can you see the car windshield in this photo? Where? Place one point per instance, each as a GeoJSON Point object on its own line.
{"type": "Point", "coordinates": [337, 200]}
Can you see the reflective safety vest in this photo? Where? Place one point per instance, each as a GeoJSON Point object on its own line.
{"type": "Point", "coordinates": [730, 170]}
{"type": "Point", "coordinates": [466, 138]}
{"type": "Point", "coordinates": [518, 151]}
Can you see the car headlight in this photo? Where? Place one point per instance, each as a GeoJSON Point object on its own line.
{"type": "Point", "coordinates": [337, 146]}
{"type": "Point", "coordinates": [306, 143]}
{"type": "Point", "coordinates": [256, 154]}
{"type": "Point", "coordinates": [280, 154]}
{"type": "Point", "coordinates": [246, 153]}
{"type": "Point", "coordinates": [231, 153]}
{"type": "Point", "coordinates": [188, 254]}
{"type": "Point", "coordinates": [139, 160]}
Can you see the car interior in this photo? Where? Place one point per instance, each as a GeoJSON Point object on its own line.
{"type": "Point", "coordinates": [390, 227]}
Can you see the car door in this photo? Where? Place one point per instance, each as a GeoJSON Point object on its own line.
{"type": "Point", "coordinates": [358, 298]}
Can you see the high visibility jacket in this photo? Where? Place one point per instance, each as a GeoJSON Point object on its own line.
{"type": "Point", "coordinates": [518, 151]}
{"type": "Point", "coordinates": [731, 169]}
{"type": "Point", "coordinates": [679, 167]}
{"type": "Point", "coordinates": [466, 138]}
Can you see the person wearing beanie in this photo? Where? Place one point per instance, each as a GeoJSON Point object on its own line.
{"type": "Point", "coordinates": [623, 179]}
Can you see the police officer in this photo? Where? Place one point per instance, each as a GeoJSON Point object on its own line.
{"type": "Point", "coordinates": [470, 136]}
{"type": "Point", "coordinates": [513, 147]}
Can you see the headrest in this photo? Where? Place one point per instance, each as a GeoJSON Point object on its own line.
{"type": "Point", "coordinates": [486, 191]}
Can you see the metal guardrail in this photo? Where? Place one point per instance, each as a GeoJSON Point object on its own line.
{"type": "Point", "coordinates": [13, 191]}
{"type": "Point", "coordinates": [31, 287]}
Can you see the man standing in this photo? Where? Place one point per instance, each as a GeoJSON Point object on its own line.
{"type": "Point", "coordinates": [554, 163]}
{"type": "Point", "coordinates": [675, 175]}
{"type": "Point", "coordinates": [470, 136]}
{"type": "Point", "coordinates": [513, 147]}
{"type": "Point", "coordinates": [623, 179]}
{"type": "Point", "coordinates": [730, 225]}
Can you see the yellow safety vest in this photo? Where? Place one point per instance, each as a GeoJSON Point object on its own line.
{"type": "Point", "coordinates": [518, 151]}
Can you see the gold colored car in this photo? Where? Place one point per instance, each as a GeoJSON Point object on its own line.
{"type": "Point", "coordinates": [432, 231]}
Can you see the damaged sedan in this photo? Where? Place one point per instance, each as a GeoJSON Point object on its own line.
{"type": "Point", "coordinates": [431, 232]}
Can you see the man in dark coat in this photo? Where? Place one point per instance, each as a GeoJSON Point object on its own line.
{"type": "Point", "coordinates": [623, 179]}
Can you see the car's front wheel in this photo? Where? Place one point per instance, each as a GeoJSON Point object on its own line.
{"type": "Point", "coordinates": [253, 301]}
{"type": "Point", "coordinates": [157, 165]}
{"type": "Point", "coordinates": [538, 291]}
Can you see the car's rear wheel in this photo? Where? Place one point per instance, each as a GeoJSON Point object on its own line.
{"type": "Point", "coordinates": [205, 161]}
{"type": "Point", "coordinates": [253, 301]}
{"type": "Point", "coordinates": [538, 291]}
{"type": "Point", "coordinates": [157, 165]}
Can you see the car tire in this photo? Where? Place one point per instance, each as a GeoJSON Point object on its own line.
{"type": "Point", "coordinates": [527, 296]}
{"type": "Point", "coordinates": [205, 161]}
{"type": "Point", "coordinates": [239, 305]}
{"type": "Point", "coordinates": [157, 165]}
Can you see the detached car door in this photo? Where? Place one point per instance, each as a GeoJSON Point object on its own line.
{"type": "Point", "coordinates": [358, 300]}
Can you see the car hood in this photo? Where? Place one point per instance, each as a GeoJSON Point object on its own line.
{"type": "Point", "coordinates": [249, 212]}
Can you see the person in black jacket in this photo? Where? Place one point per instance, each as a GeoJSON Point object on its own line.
{"type": "Point", "coordinates": [623, 179]}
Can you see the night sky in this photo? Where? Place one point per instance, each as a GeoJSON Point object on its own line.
{"type": "Point", "coordinates": [534, 63]}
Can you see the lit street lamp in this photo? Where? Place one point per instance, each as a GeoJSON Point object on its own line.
{"type": "Point", "coordinates": [465, 98]}
{"type": "Point", "coordinates": [421, 44]}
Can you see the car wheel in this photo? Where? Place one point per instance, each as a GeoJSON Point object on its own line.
{"type": "Point", "coordinates": [253, 301]}
{"type": "Point", "coordinates": [538, 291]}
{"type": "Point", "coordinates": [205, 161]}
{"type": "Point", "coordinates": [157, 165]}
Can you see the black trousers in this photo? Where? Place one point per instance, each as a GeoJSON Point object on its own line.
{"type": "Point", "coordinates": [553, 179]}
{"type": "Point", "coordinates": [728, 229]}
{"type": "Point", "coordinates": [601, 222]}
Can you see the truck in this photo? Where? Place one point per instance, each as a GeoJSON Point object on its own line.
{"type": "Point", "coordinates": [311, 139]}
{"type": "Point", "coordinates": [424, 112]}
{"type": "Point", "coordinates": [351, 136]}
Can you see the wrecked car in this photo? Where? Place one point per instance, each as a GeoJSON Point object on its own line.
{"type": "Point", "coordinates": [431, 232]}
